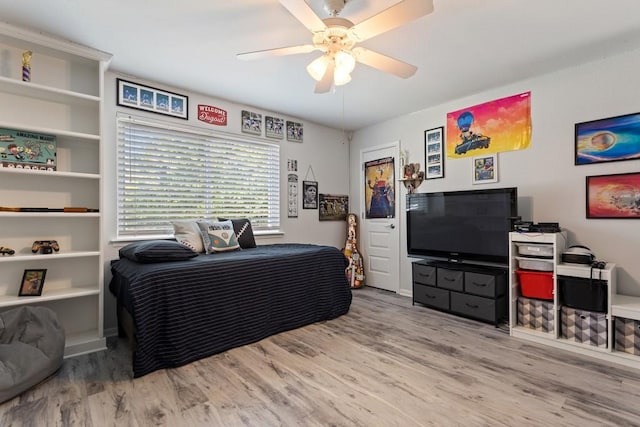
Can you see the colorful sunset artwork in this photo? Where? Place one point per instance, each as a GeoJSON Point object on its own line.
{"type": "Point", "coordinates": [500, 125]}
{"type": "Point", "coordinates": [613, 196]}
{"type": "Point", "coordinates": [608, 140]}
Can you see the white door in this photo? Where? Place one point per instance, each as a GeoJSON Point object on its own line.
{"type": "Point", "coordinates": [379, 236]}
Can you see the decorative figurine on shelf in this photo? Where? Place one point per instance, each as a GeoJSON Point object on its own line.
{"type": "Point", "coordinates": [355, 269]}
{"type": "Point", "coordinates": [6, 251]}
{"type": "Point", "coordinates": [45, 246]}
{"type": "Point", "coordinates": [412, 176]}
{"type": "Point", "coordinates": [26, 66]}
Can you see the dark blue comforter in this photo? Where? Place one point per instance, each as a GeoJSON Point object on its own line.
{"type": "Point", "coordinates": [187, 310]}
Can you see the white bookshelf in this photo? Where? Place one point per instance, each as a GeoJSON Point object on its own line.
{"type": "Point", "coordinates": [65, 99]}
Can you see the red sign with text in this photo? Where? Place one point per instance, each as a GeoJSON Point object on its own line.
{"type": "Point", "coordinates": [212, 115]}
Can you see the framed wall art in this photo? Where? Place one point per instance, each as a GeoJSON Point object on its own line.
{"type": "Point", "coordinates": [32, 282]}
{"type": "Point", "coordinates": [613, 196]}
{"type": "Point", "coordinates": [433, 153]}
{"type": "Point", "coordinates": [273, 127]}
{"type": "Point", "coordinates": [292, 196]}
{"type": "Point", "coordinates": [333, 208]}
{"type": "Point", "coordinates": [251, 122]}
{"type": "Point", "coordinates": [294, 131]}
{"type": "Point", "coordinates": [146, 98]}
{"type": "Point", "coordinates": [310, 198]}
{"type": "Point", "coordinates": [608, 140]}
{"type": "Point", "coordinates": [485, 169]}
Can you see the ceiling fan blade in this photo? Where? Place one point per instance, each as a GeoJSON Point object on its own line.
{"type": "Point", "coordinates": [325, 84]}
{"type": "Point", "coordinates": [282, 51]}
{"type": "Point", "coordinates": [303, 13]}
{"type": "Point", "coordinates": [384, 63]}
{"type": "Point", "coordinates": [393, 17]}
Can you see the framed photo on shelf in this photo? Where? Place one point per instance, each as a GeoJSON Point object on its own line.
{"type": "Point", "coordinates": [32, 282]}
{"type": "Point", "coordinates": [613, 196]}
{"type": "Point", "coordinates": [146, 98]}
{"type": "Point", "coordinates": [485, 169]}
{"type": "Point", "coordinates": [433, 158]}
{"type": "Point", "coordinates": [608, 140]}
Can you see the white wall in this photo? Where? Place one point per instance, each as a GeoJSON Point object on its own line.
{"type": "Point", "coordinates": [324, 149]}
{"type": "Point", "coordinates": [550, 187]}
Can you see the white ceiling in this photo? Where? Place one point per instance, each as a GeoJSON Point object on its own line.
{"type": "Point", "coordinates": [463, 47]}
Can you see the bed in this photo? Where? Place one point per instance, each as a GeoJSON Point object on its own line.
{"type": "Point", "coordinates": [178, 311]}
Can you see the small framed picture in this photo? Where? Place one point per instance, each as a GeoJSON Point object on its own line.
{"type": "Point", "coordinates": [273, 127]}
{"type": "Point", "coordinates": [146, 98]}
{"type": "Point", "coordinates": [294, 131]}
{"type": "Point", "coordinates": [608, 140]}
{"type": "Point", "coordinates": [485, 169]}
{"type": "Point", "coordinates": [251, 122]}
{"type": "Point", "coordinates": [433, 158]}
{"type": "Point", "coordinates": [613, 196]}
{"type": "Point", "coordinates": [310, 192]}
{"type": "Point", "coordinates": [32, 283]}
{"type": "Point", "coordinates": [333, 207]}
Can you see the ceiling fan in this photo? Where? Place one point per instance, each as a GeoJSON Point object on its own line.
{"type": "Point", "coordinates": [336, 37]}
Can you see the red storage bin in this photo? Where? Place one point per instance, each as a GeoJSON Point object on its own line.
{"type": "Point", "coordinates": [536, 284]}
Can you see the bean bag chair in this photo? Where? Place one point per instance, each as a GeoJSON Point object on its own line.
{"type": "Point", "coordinates": [31, 348]}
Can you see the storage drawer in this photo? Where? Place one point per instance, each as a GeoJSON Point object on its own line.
{"type": "Point", "coordinates": [431, 296]}
{"type": "Point", "coordinates": [536, 284]}
{"type": "Point", "coordinates": [583, 294]}
{"type": "Point", "coordinates": [627, 335]}
{"type": "Point", "coordinates": [484, 285]}
{"type": "Point", "coordinates": [539, 250]}
{"type": "Point", "coordinates": [584, 326]}
{"type": "Point", "coordinates": [535, 264]}
{"type": "Point", "coordinates": [424, 274]}
{"type": "Point", "coordinates": [450, 279]}
{"type": "Point", "coordinates": [486, 309]}
{"type": "Point", "coordinates": [535, 314]}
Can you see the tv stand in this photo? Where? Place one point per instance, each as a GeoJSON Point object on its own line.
{"type": "Point", "coordinates": [468, 290]}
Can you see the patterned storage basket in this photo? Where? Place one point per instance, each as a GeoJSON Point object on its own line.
{"type": "Point", "coordinates": [535, 314]}
{"type": "Point", "coordinates": [583, 326]}
{"type": "Point", "coordinates": [627, 335]}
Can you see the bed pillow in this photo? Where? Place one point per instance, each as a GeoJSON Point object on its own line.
{"type": "Point", "coordinates": [187, 232]}
{"type": "Point", "coordinates": [150, 251]}
{"type": "Point", "coordinates": [218, 236]}
{"type": "Point", "coordinates": [244, 232]}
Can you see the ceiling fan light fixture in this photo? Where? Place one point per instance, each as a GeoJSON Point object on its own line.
{"type": "Point", "coordinates": [318, 67]}
{"type": "Point", "coordinates": [340, 79]}
{"type": "Point", "coordinates": [345, 62]}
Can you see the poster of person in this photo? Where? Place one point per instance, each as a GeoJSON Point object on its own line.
{"type": "Point", "coordinates": [310, 191]}
{"type": "Point", "coordinates": [379, 188]}
{"type": "Point", "coordinates": [333, 208]}
{"type": "Point", "coordinates": [500, 125]}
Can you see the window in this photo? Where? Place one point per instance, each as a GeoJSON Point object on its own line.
{"type": "Point", "coordinates": [167, 172]}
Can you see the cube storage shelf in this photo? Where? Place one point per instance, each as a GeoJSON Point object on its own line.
{"type": "Point", "coordinates": [586, 332]}
{"type": "Point", "coordinates": [65, 99]}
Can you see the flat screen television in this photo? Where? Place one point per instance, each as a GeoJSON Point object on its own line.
{"type": "Point", "coordinates": [462, 225]}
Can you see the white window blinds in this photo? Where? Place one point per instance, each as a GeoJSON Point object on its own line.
{"type": "Point", "coordinates": [167, 172]}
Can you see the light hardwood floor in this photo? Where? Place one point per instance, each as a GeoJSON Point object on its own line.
{"type": "Point", "coordinates": [385, 363]}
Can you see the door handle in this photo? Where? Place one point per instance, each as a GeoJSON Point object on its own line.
{"type": "Point", "coordinates": [391, 226]}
